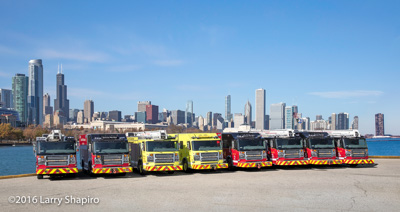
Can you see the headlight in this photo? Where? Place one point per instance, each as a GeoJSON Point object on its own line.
{"type": "Point", "coordinates": [220, 156]}
{"type": "Point", "coordinates": [241, 155]}
{"type": "Point", "coordinates": [196, 156]}
{"type": "Point", "coordinates": [97, 159]}
{"type": "Point", "coordinates": [126, 159]}
{"type": "Point", "coordinates": [41, 160]}
{"type": "Point", "coordinates": [281, 154]}
{"type": "Point", "coordinates": [176, 157]}
{"type": "Point", "coordinates": [348, 152]}
{"type": "Point", "coordinates": [366, 152]}
{"type": "Point", "coordinates": [314, 153]}
{"type": "Point", "coordinates": [72, 159]}
{"type": "Point", "coordinates": [264, 154]}
{"type": "Point", "coordinates": [150, 158]}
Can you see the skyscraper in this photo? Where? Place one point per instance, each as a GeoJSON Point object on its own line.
{"type": "Point", "coordinates": [151, 114]}
{"type": "Point", "coordinates": [114, 115]}
{"type": "Point", "coordinates": [333, 121]}
{"type": "Point", "coordinates": [142, 105]}
{"type": "Point", "coordinates": [260, 109]}
{"type": "Point", "coordinates": [289, 123]}
{"type": "Point", "coordinates": [35, 92]}
{"type": "Point", "coordinates": [318, 117]}
{"type": "Point", "coordinates": [61, 103]}
{"type": "Point", "coordinates": [277, 116]}
{"type": "Point", "coordinates": [47, 109]}
{"type": "Point", "coordinates": [247, 113]}
{"type": "Point", "coordinates": [6, 97]}
{"type": "Point", "coordinates": [189, 113]}
{"type": "Point", "coordinates": [20, 94]}
{"type": "Point", "coordinates": [228, 114]}
{"type": "Point", "coordinates": [88, 110]}
{"type": "Point", "coordinates": [209, 118]}
{"type": "Point", "coordinates": [343, 121]}
{"type": "Point", "coordinates": [215, 119]}
{"type": "Point", "coordinates": [379, 125]}
{"type": "Point", "coordinates": [354, 125]}
{"type": "Point", "coordinates": [238, 119]}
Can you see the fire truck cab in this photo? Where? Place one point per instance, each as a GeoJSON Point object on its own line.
{"type": "Point", "coordinates": [154, 151]}
{"type": "Point", "coordinates": [200, 151]}
{"type": "Point", "coordinates": [319, 148]}
{"type": "Point", "coordinates": [104, 154]}
{"type": "Point", "coordinates": [244, 150]}
{"type": "Point", "coordinates": [351, 147]}
{"type": "Point", "coordinates": [55, 155]}
{"type": "Point", "coordinates": [285, 147]}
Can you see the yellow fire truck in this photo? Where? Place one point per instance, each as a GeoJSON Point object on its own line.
{"type": "Point", "coordinates": [200, 151]}
{"type": "Point", "coordinates": [154, 151]}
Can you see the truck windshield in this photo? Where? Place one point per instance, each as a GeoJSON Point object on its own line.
{"type": "Point", "coordinates": [161, 146]}
{"type": "Point", "coordinates": [251, 144]}
{"type": "Point", "coordinates": [110, 147]}
{"type": "Point", "coordinates": [206, 145]}
{"type": "Point", "coordinates": [289, 143]}
{"type": "Point", "coordinates": [355, 143]}
{"type": "Point", "coordinates": [55, 148]}
{"type": "Point", "coordinates": [321, 143]}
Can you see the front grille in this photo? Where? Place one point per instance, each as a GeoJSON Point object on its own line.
{"type": "Point", "coordinates": [112, 159]}
{"type": "Point", "coordinates": [324, 153]}
{"type": "Point", "coordinates": [253, 155]}
{"type": "Point", "coordinates": [164, 158]}
{"type": "Point", "coordinates": [57, 160]}
{"type": "Point", "coordinates": [359, 152]}
{"type": "Point", "coordinates": [292, 153]}
{"type": "Point", "coordinates": [209, 156]}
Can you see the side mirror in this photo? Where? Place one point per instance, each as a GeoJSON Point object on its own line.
{"type": "Point", "coordinates": [188, 145]}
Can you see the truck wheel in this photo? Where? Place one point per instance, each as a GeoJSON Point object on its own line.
{"type": "Point", "coordinates": [185, 166]}
{"type": "Point", "coordinates": [141, 170]}
{"type": "Point", "coordinates": [230, 165]}
{"type": "Point", "coordinates": [39, 176]}
{"type": "Point", "coordinates": [353, 165]}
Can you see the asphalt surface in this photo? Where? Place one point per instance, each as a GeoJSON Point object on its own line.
{"type": "Point", "coordinates": [316, 188]}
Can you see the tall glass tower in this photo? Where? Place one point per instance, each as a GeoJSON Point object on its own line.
{"type": "Point", "coordinates": [260, 109]}
{"type": "Point", "coordinates": [247, 113]}
{"type": "Point", "coordinates": [35, 92]}
{"type": "Point", "coordinates": [20, 93]}
{"type": "Point", "coordinates": [61, 103]}
{"type": "Point", "coordinates": [228, 114]}
{"type": "Point", "coordinates": [189, 113]}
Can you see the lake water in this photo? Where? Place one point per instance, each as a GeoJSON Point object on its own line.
{"type": "Point", "coordinates": [21, 159]}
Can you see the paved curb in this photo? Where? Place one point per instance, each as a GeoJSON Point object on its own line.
{"type": "Point", "coordinates": [16, 176]}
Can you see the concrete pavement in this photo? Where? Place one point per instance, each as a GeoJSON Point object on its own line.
{"type": "Point", "coordinates": [279, 189]}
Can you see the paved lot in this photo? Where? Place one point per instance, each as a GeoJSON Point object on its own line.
{"type": "Point", "coordinates": [283, 189]}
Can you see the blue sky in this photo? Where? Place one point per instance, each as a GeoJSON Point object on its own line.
{"type": "Point", "coordinates": [324, 56]}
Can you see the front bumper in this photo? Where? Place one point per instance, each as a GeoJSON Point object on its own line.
{"type": "Point", "coordinates": [254, 164]}
{"type": "Point", "coordinates": [291, 162]}
{"type": "Point", "coordinates": [111, 170]}
{"type": "Point", "coordinates": [162, 168]}
{"type": "Point", "coordinates": [57, 171]}
{"type": "Point", "coordinates": [325, 162]}
{"type": "Point", "coordinates": [211, 166]}
{"type": "Point", "coordinates": [358, 161]}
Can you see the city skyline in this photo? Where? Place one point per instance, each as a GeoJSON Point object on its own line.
{"type": "Point", "coordinates": [359, 48]}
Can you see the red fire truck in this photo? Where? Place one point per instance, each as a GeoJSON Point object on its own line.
{"type": "Point", "coordinates": [285, 147]}
{"type": "Point", "coordinates": [351, 147]}
{"type": "Point", "coordinates": [104, 154]}
{"type": "Point", "coordinates": [244, 150]}
{"type": "Point", "coordinates": [55, 155]}
{"type": "Point", "coordinates": [319, 148]}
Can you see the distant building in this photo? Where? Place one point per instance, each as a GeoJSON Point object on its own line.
{"type": "Point", "coordinates": [80, 118]}
{"type": "Point", "coordinates": [319, 125]}
{"type": "Point", "coordinates": [189, 112]}
{"type": "Point", "coordinates": [379, 125]}
{"type": "Point", "coordinates": [20, 93]}
{"type": "Point", "coordinates": [178, 117]}
{"type": "Point", "coordinates": [238, 119]}
{"type": "Point", "coordinates": [61, 102]}
{"type": "Point", "coordinates": [114, 115]}
{"type": "Point", "coordinates": [209, 118]}
{"type": "Point", "coordinates": [260, 109]}
{"type": "Point", "coordinates": [220, 123]}
{"type": "Point", "coordinates": [142, 106]}
{"type": "Point", "coordinates": [152, 114]}
{"type": "Point", "coordinates": [343, 121]}
{"type": "Point", "coordinates": [247, 113]}
{"type": "Point", "coordinates": [266, 124]}
{"type": "Point", "coordinates": [289, 122]}
{"type": "Point", "coordinates": [47, 109]}
{"type": "Point", "coordinates": [277, 116]}
{"type": "Point", "coordinates": [333, 121]}
{"type": "Point", "coordinates": [35, 92]}
{"type": "Point", "coordinates": [140, 117]}
{"type": "Point", "coordinates": [6, 97]}
{"type": "Point", "coordinates": [354, 124]}
{"type": "Point", "coordinates": [228, 114]}
{"type": "Point", "coordinates": [73, 115]}
{"type": "Point", "coordinates": [48, 121]}
{"type": "Point", "coordinates": [201, 123]}
{"type": "Point", "coordinates": [88, 110]}
{"type": "Point", "coordinates": [215, 119]}
{"type": "Point", "coordinates": [319, 117]}
{"type": "Point", "coordinates": [8, 119]}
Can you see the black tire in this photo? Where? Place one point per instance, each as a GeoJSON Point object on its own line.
{"type": "Point", "coordinates": [230, 165]}
{"type": "Point", "coordinates": [140, 168]}
{"type": "Point", "coordinates": [186, 166]}
{"type": "Point", "coordinates": [39, 176]}
{"type": "Point", "coordinates": [170, 172]}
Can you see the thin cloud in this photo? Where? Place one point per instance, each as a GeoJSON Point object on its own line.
{"type": "Point", "coordinates": [346, 94]}
{"type": "Point", "coordinates": [76, 55]}
{"type": "Point", "coordinates": [167, 63]}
